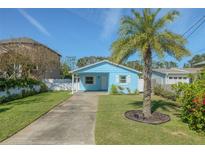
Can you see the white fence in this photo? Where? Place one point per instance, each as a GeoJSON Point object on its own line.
{"type": "Point", "coordinates": [58, 84]}
{"type": "Point", "coordinates": [17, 91]}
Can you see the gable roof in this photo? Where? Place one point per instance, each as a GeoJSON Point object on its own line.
{"type": "Point", "coordinates": [109, 62]}
{"type": "Point", "coordinates": [171, 71]}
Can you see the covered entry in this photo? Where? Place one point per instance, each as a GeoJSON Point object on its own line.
{"type": "Point", "coordinates": [90, 82]}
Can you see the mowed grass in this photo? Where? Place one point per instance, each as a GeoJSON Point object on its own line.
{"type": "Point", "coordinates": [113, 128]}
{"type": "Point", "coordinates": [17, 114]}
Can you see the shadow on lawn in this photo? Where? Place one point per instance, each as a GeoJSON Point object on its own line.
{"type": "Point", "coordinates": [5, 109]}
{"type": "Point", "coordinates": [26, 101]}
{"type": "Point", "coordinates": [159, 104]}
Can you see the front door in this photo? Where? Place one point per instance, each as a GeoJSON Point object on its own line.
{"type": "Point", "coordinates": [103, 83]}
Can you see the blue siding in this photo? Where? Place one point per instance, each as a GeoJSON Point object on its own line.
{"type": "Point", "coordinates": [112, 72]}
{"type": "Point", "coordinates": [132, 85]}
{"type": "Point", "coordinates": [97, 83]}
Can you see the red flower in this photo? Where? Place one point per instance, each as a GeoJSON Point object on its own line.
{"type": "Point", "coordinates": [204, 101]}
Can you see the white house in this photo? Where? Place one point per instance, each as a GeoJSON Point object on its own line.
{"type": "Point", "coordinates": [165, 76]}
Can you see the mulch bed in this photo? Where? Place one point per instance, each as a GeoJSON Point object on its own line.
{"type": "Point", "coordinates": [155, 119]}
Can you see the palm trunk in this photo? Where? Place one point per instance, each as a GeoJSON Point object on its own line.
{"type": "Point", "coordinates": [147, 73]}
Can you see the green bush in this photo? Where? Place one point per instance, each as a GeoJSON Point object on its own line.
{"type": "Point", "coordinates": [136, 92]}
{"type": "Point", "coordinates": [129, 91]}
{"type": "Point", "coordinates": [43, 86]}
{"type": "Point", "coordinates": [13, 83]}
{"type": "Point", "coordinates": [114, 90]}
{"type": "Point", "coordinates": [160, 91]}
{"type": "Point", "coordinates": [192, 98]}
{"type": "Point", "coordinates": [6, 84]}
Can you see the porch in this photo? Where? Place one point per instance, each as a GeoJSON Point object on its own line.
{"type": "Point", "coordinates": [97, 81]}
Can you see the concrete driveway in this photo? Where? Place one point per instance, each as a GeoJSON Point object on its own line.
{"type": "Point", "coordinates": [72, 122]}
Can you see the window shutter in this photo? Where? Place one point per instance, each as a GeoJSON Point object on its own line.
{"type": "Point", "coordinates": [128, 78]}
{"type": "Point", "coordinates": [117, 78]}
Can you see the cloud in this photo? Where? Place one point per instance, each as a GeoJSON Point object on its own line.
{"type": "Point", "coordinates": [34, 22]}
{"type": "Point", "coordinates": [111, 22]}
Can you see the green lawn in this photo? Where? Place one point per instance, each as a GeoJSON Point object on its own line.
{"type": "Point", "coordinates": [17, 114]}
{"type": "Point", "coordinates": [113, 128]}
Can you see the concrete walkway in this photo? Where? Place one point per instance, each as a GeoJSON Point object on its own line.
{"type": "Point", "coordinates": [72, 122]}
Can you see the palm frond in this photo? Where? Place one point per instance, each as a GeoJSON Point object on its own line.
{"type": "Point", "coordinates": [169, 17]}
{"type": "Point", "coordinates": [174, 44]}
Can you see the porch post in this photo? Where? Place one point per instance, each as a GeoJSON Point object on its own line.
{"type": "Point", "coordinates": [72, 83]}
{"type": "Point", "coordinates": [76, 83]}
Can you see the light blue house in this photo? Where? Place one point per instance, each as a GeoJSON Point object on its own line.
{"type": "Point", "coordinates": [102, 75]}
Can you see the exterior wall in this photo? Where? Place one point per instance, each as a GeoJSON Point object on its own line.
{"type": "Point", "coordinates": [158, 77]}
{"type": "Point", "coordinates": [112, 72]}
{"type": "Point", "coordinates": [180, 78]}
{"type": "Point", "coordinates": [97, 82]}
{"type": "Point", "coordinates": [132, 83]}
{"type": "Point", "coordinates": [165, 79]}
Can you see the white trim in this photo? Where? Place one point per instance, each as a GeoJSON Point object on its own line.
{"type": "Point", "coordinates": [107, 62]}
{"type": "Point", "coordinates": [183, 72]}
{"type": "Point", "coordinates": [120, 76]}
{"type": "Point", "coordinates": [126, 79]}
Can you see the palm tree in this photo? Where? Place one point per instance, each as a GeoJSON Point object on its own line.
{"type": "Point", "coordinates": [147, 34]}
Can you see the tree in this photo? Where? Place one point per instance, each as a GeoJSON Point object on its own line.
{"type": "Point", "coordinates": [15, 64]}
{"type": "Point", "coordinates": [196, 59]}
{"type": "Point", "coordinates": [89, 60]}
{"type": "Point", "coordinates": [135, 65]}
{"type": "Point", "coordinates": [146, 33]}
{"type": "Point", "coordinates": [65, 70]}
{"type": "Point", "coordinates": [166, 64]}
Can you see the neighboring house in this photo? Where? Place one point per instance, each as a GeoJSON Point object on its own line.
{"type": "Point", "coordinates": [45, 62]}
{"type": "Point", "coordinates": [200, 64]}
{"type": "Point", "coordinates": [170, 76]}
{"type": "Point", "coordinates": [165, 76]}
{"type": "Point", "coordinates": [102, 75]}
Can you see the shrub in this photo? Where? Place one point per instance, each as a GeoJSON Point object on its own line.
{"type": "Point", "coordinates": [192, 98]}
{"type": "Point", "coordinates": [114, 90]}
{"type": "Point", "coordinates": [43, 86]}
{"type": "Point", "coordinates": [136, 92]}
{"type": "Point", "coordinates": [129, 91]}
{"type": "Point", "coordinates": [6, 84]}
{"type": "Point", "coordinates": [160, 91]}
{"type": "Point", "coordinates": [12, 83]}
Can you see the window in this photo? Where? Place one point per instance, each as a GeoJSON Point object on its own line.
{"type": "Point", "coordinates": [170, 77]}
{"type": "Point", "coordinates": [175, 77]}
{"type": "Point", "coordinates": [122, 79]}
{"type": "Point", "coordinates": [184, 78]}
{"type": "Point", "coordinates": [89, 80]}
{"type": "Point", "coordinates": [180, 78]}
